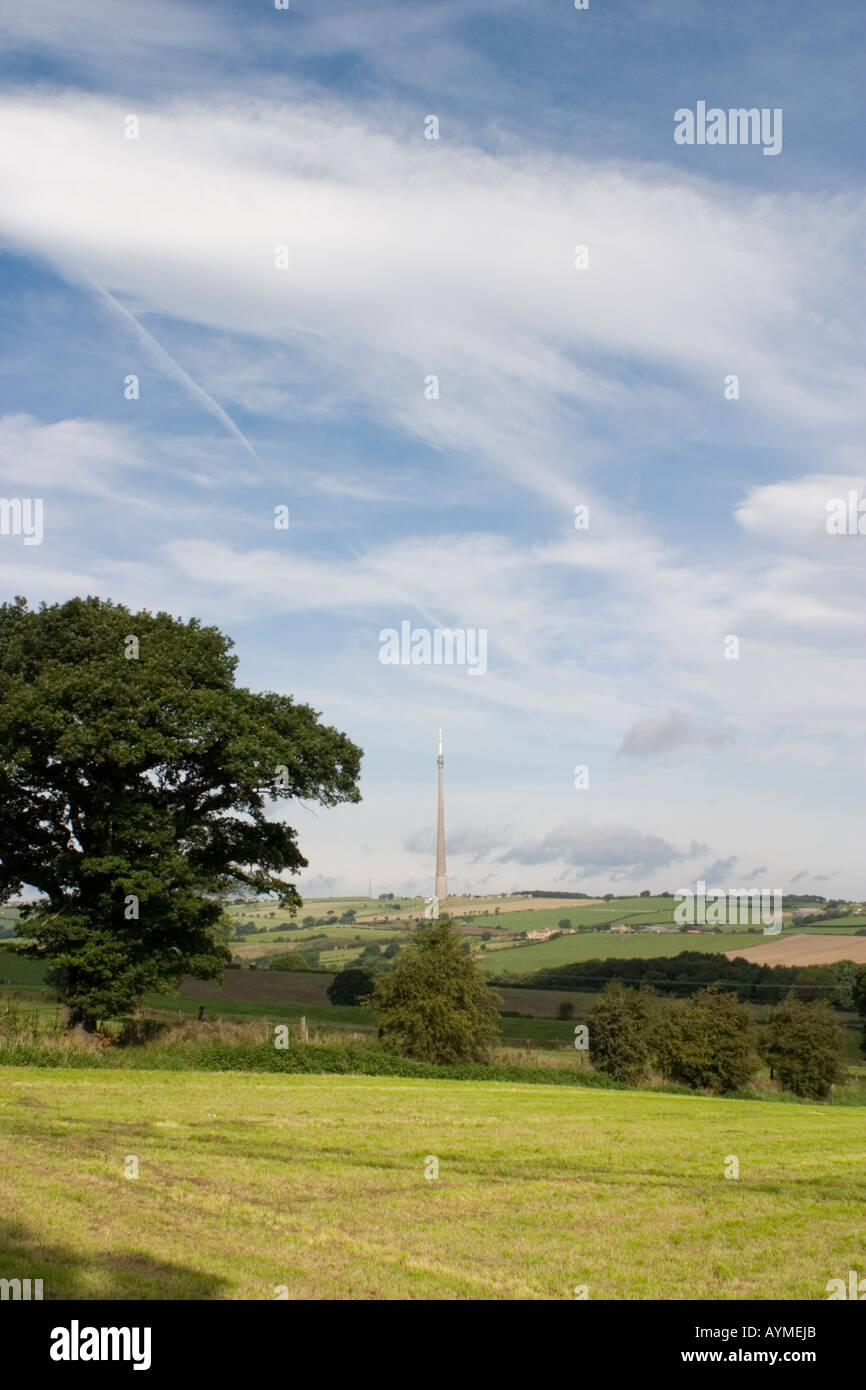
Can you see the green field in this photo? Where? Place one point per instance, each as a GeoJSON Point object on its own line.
{"type": "Point", "coordinates": [287, 997]}
{"type": "Point", "coordinates": [315, 1184]}
{"type": "Point", "coordinates": [600, 945]}
{"type": "Point", "coordinates": [599, 915]}
{"type": "Point", "coordinates": [20, 972]}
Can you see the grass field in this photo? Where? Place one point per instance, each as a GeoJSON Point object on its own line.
{"type": "Point", "coordinates": [249, 1184]}
{"type": "Point", "coordinates": [286, 997]}
{"type": "Point", "coordinates": [17, 970]}
{"type": "Point", "coordinates": [600, 945]}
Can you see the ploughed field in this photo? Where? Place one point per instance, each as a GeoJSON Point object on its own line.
{"type": "Point", "coordinates": [801, 949]}
{"type": "Point", "coordinates": [254, 1184]}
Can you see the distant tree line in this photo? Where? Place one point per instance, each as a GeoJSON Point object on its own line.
{"type": "Point", "coordinates": [539, 893]}
{"type": "Point", "coordinates": [688, 972]}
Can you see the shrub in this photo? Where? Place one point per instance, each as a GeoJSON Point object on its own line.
{"type": "Point", "coordinates": [619, 1043]}
{"type": "Point", "coordinates": [708, 1042]}
{"type": "Point", "coordinates": [351, 986]}
{"type": "Point", "coordinates": [436, 1005]}
{"type": "Point", "coordinates": [292, 961]}
{"type": "Point", "coordinates": [804, 1046]}
{"type": "Point", "coordinates": [565, 1010]}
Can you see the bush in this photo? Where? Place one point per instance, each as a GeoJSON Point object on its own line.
{"type": "Point", "coordinates": [436, 1005]}
{"type": "Point", "coordinates": [804, 1046]}
{"type": "Point", "coordinates": [565, 1010]}
{"type": "Point", "coordinates": [619, 1041]}
{"type": "Point", "coordinates": [291, 961]}
{"type": "Point", "coordinates": [708, 1042]}
{"type": "Point", "coordinates": [351, 986]}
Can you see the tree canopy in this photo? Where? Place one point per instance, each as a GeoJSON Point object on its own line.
{"type": "Point", "coordinates": [351, 986]}
{"type": "Point", "coordinates": [436, 1005]}
{"type": "Point", "coordinates": [805, 1046]}
{"type": "Point", "coordinates": [136, 780]}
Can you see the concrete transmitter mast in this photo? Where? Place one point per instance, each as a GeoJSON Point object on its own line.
{"type": "Point", "coordinates": [441, 878]}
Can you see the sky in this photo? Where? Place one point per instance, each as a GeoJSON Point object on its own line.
{"type": "Point", "coordinates": [336, 248]}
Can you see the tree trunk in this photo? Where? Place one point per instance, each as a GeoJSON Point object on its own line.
{"type": "Point", "coordinates": [86, 1023]}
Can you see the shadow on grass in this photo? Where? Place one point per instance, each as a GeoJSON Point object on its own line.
{"type": "Point", "coordinates": [127, 1274]}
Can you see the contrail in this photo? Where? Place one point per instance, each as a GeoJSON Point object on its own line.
{"type": "Point", "coordinates": [172, 368]}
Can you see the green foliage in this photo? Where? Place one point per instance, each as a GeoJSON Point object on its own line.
{"type": "Point", "coordinates": [846, 973]}
{"type": "Point", "coordinates": [688, 972]}
{"type": "Point", "coordinates": [619, 1041]}
{"type": "Point", "coordinates": [342, 1058]}
{"type": "Point", "coordinates": [565, 924]}
{"type": "Point", "coordinates": [565, 1010]}
{"type": "Point", "coordinates": [708, 1042]}
{"type": "Point", "coordinates": [351, 986]}
{"type": "Point", "coordinates": [436, 1005]}
{"type": "Point", "coordinates": [805, 1047]}
{"type": "Point", "coordinates": [292, 961]}
{"type": "Point", "coordinates": [135, 792]}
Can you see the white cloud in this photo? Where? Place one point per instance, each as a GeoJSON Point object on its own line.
{"type": "Point", "coordinates": [792, 515]}
{"type": "Point", "coordinates": [69, 455]}
{"type": "Point", "coordinates": [385, 285]}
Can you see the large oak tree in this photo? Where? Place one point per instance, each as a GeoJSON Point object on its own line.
{"type": "Point", "coordinates": [137, 788]}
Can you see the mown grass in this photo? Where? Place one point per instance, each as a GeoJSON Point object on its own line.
{"type": "Point", "coordinates": [251, 1184]}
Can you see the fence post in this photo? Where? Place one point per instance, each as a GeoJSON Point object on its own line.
{"type": "Point", "coordinates": [303, 1028]}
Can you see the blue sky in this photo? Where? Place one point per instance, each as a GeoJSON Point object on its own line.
{"type": "Point", "coordinates": [454, 257]}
